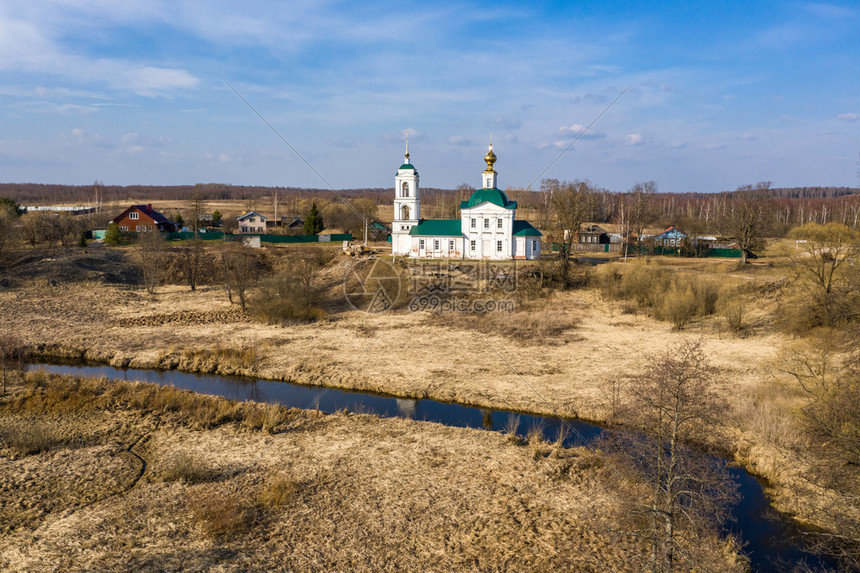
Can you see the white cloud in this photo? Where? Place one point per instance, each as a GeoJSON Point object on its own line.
{"type": "Point", "coordinates": [459, 140]}
{"type": "Point", "coordinates": [849, 116]}
{"type": "Point", "coordinates": [577, 128]}
{"type": "Point", "coordinates": [634, 139]}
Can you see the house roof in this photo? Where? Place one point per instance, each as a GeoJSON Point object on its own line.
{"type": "Point", "coordinates": [525, 229]}
{"type": "Point", "coordinates": [146, 210]}
{"type": "Point", "coordinates": [671, 232]}
{"type": "Point", "coordinates": [437, 228]}
{"type": "Point", "coordinates": [249, 213]}
{"type": "Point", "coordinates": [494, 196]}
{"type": "Point", "coordinates": [593, 229]}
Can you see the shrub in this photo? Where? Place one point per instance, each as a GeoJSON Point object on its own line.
{"type": "Point", "coordinates": [30, 438]}
{"type": "Point", "coordinates": [277, 491]}
{"type": "Point", "coordinates": [113, 236]}
{"type": "Point", "coordinates": [219, 514]}
{"type": "Point", "coordinates": [187, 468]}
{"type": "Point", "coordinates": [732, 306]}
{"type": "Point", "coordinates": [679, 306]}
{"type": "Point", "coordinates": [290, 297]}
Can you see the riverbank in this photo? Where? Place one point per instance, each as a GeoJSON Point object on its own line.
{"type": "Point", "coordinates": [118, 476]}
{"type": "Point", "coordinates": [559, 356]}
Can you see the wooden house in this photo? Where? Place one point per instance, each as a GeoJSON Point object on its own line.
{"type": "Point", "coordinates": [143, 219]}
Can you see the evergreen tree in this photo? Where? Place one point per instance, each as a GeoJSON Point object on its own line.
{"type": "Point", "coordinates": [113, 236]}
{"type": "Point", "coordinates": [314, 222]}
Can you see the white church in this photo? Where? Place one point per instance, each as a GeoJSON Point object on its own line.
{"type": "Point", "coordinates": [487, 227]}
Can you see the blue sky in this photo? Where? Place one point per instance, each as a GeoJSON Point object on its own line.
{"type": "Point", "coordinates": [723, 94]}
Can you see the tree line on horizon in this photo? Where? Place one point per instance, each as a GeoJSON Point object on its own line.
{"type": "Point", "coordinates": [789, 206]}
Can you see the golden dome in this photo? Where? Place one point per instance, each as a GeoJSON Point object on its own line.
{"type": "Point", "coordinates": [490, 158]}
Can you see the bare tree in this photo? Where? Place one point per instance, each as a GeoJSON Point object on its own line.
{"type": "Point", "coordinates": [745, 218]}
{"type": "Point", "coordinates": [640, 209]}
{"type": "Point", "coordinates": [6, 230]}
{"type": "Point", "coordinates": [827, 368]}
{"type": "Point", "coordinates": [685, 495]}
{"type": "Point", "coordinates": [573, 204]}
{"type": "Point", "coordinates": [192, 253]}
{"type": "Point", "coordinates": [13, 357]}
{"type": "Point", "coordinates": [152, 260]}
{"type": "Point", "coordinates": [240, 271]}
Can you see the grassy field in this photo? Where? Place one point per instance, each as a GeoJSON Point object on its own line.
{"type": "Point", "coordinates": [559, 354]}
{"type": "Point", "coordinates": [119, 476]}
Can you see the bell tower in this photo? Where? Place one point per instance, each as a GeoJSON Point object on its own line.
{"type": "Point", "coordinates": [488, 177]}
{"type": "Point", "coordinates": [407, 205]}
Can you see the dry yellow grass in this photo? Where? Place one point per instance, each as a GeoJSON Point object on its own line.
{"type": "Point", "coordinates": [342, 492]}
{"type": "Point", "coordinates": [559, 357]}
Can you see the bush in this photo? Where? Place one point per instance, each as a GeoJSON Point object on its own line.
{"type": "Point", "coordinates": [277, 491]}
{"type": "Point", "coordinates": [290, 297]}
{"type": "Point", "coordinates": [673, 297]}
{"type": "Point", "coordinates": [186, 468]}
{"type": "Point", "coordinates": [219, 514]}
{"type": "Point", "coordinates": [31, 438]}
{"type": "Point", "coordinates": [113, 236]}
{"type": "Point", "coordinates": [732, 306]}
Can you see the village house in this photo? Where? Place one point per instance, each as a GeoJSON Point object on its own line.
{"type": "Point", "coordinates": [143, 219]}
{"type": "Point", "coordinates": [252, 223]}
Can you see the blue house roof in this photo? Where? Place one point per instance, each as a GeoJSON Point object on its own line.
{"type": "Point", "coordinates": [671, 233]}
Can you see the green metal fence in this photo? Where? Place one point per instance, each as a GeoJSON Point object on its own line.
{"type": "Point", "coordinates": [271, 239]}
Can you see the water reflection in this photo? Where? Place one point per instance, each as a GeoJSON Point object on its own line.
{"type": "Point", "coordinates": [406, 408]}
{"type": "Point", "coordinates": [488, 419]}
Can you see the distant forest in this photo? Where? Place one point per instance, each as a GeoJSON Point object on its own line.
{"type": "Point", "coordinates": [790, 206]}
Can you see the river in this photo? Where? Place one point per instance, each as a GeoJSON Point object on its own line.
{"type": "Point", "coordinates": [771, 540]}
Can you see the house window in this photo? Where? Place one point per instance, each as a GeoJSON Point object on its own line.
{"type": "Point", "coordinates": [486, 223]}
{"type": "Point", "coordinates": [474, 223]}
{"type": "Point", "coordinates": [499, 246]}
{"type": "Point", "coordinates": [123, 228]}
{"type": "Point", "coordinates": [134, 215]}
{"type": "Point", "coordinates": [498, 223]}
{"type": "Point", "coordinates": [421, 244]}
{"type": "Point", "coordinates": [472, 245]}
{"type": "Point", "coordinates": [435, 244]}
{"type": "Point", "coordinates": [534, 245]}
{"type": "Point", "coordinates": [450, 245]}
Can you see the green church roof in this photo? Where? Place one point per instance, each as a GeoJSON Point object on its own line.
{"type": "Point", "coordinates": [525, 229]}
{"type": "Point", "coordinates": [437, 228]}
{"type": "Point", "coordinates": [494, 196]}
{"type": "Point", "coordinates": [407, 166]}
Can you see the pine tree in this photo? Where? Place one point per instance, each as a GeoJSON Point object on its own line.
{"type": "Point", "coordinates": [313, 222]}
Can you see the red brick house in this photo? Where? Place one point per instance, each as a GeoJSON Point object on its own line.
{"type": "Point", "coordinates": [142, 219]}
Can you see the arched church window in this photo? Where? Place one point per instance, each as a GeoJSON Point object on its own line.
{"type": "Point", "coordinates": [405, 189]}
{"type": "Point", "coordinates": [404, 212]}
